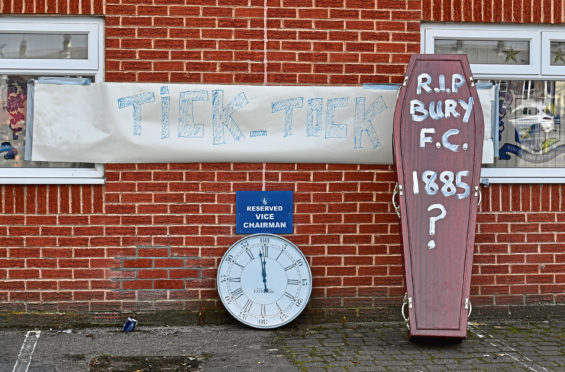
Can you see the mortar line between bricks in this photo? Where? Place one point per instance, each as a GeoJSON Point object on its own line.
{"type": "Point", "coordinates": [265, 59]}
{"type": "Point", "coordinates": [514, 354]}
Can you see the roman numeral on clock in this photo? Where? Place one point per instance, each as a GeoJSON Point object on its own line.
{"type": "Point", "coordinates": [291, 297]}
{"type": "Point", "coordinates": [265, 250]}
{"type": "Point", "coordinates": [282, 250]}
{"type": "Point", "coordinates": [247, 306]}
{"type": "Point", "coordinates": [249, 254]}
{"type": "Point", "coordinates": [290, 267]}
{"type": "Point", "coordinates": [237, 293]}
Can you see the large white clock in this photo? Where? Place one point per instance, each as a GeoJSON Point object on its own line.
{"type": "Point", "coordinates": [264, 281]}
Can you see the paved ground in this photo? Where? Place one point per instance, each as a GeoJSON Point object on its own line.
{"type": "Point", "coordinates": [494, 346]}
{"type": "Point", "coordinates": [491, 346]}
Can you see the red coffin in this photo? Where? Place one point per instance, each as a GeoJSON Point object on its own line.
{"type": "Point", "coordinates": [438, 137]}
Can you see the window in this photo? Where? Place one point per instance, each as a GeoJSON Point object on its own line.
{"type": "Point", "coordinates": [527, 64]}
{"type": "Point", "coordinates": [553, 62]}
{"type": "Point", "coordinates": [34, 47]}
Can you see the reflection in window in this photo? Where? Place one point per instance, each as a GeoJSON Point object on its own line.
{"type": "Point", "coordinates": [13, 101]}
{"type": "Point", "coordinates": [509, 52]}
{"type": "Point", "coordinates": [529, 124]}
{"type": "Point", "coordinates": [43, 46]}
{"type": "Point", "coordinates": [557, 50]}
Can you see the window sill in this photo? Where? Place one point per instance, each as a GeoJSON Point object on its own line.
{"type": "Point", "coordinates": [522, 175]}
{"type": "Point", "coordinates": [51, 181]}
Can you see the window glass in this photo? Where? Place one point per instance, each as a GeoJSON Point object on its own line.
{"type": "Point", "coordinates": [43, 46]}
{"type": "Point", "coordinates": [557, 51]}
{"type": "Point", "coordinates": [13, 100]}
{"type": "Point", "coordinates": [510, 52]}
{"type": "Point", "coordinates": [529, 124]}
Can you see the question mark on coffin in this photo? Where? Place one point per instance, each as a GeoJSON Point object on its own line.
{"type": "Point", "coordinates": [433, 221]}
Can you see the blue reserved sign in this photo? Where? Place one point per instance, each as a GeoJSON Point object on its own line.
{"type": "Point", "coordinates": [264, 212]}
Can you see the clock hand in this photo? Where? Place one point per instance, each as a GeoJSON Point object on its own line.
{"type": "Point", "coordinates": [263, 272]}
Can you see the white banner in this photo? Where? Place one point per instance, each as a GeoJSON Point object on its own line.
{"type": "Point", "coordinates": [177, 123]}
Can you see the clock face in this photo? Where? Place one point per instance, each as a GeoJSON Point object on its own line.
{"type": "Point", "coordinates": [264, 281]}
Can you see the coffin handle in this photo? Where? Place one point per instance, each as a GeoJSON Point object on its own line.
{"type": "Point", "coordinates": [479, 193]}
{"type": "Point", "coordinates": [397, 191]}
{"type": "Point", "coordinates": [468, 306]}
{"type": "Point", "coordinates": [404, 303]}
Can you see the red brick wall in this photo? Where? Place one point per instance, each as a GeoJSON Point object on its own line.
{"type": "Point", "coordinates": [507, 11]}
{"type": "Point", "coordinates": [152, 236]}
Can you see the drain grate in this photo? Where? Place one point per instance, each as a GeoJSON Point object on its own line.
{"type": "Point", "coordinates": [107, 363]}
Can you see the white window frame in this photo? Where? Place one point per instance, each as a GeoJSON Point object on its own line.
{"type": "Point", "coordinates": [499, 69]}
{"type": "Point", "coordinates": [93, 66]}
{"type": "Point", "coordinates": [538, 69]}
{"type": "Point", "coordinates": [546, 38]}
{"type": "Point", "coordinates": [46, 26]}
